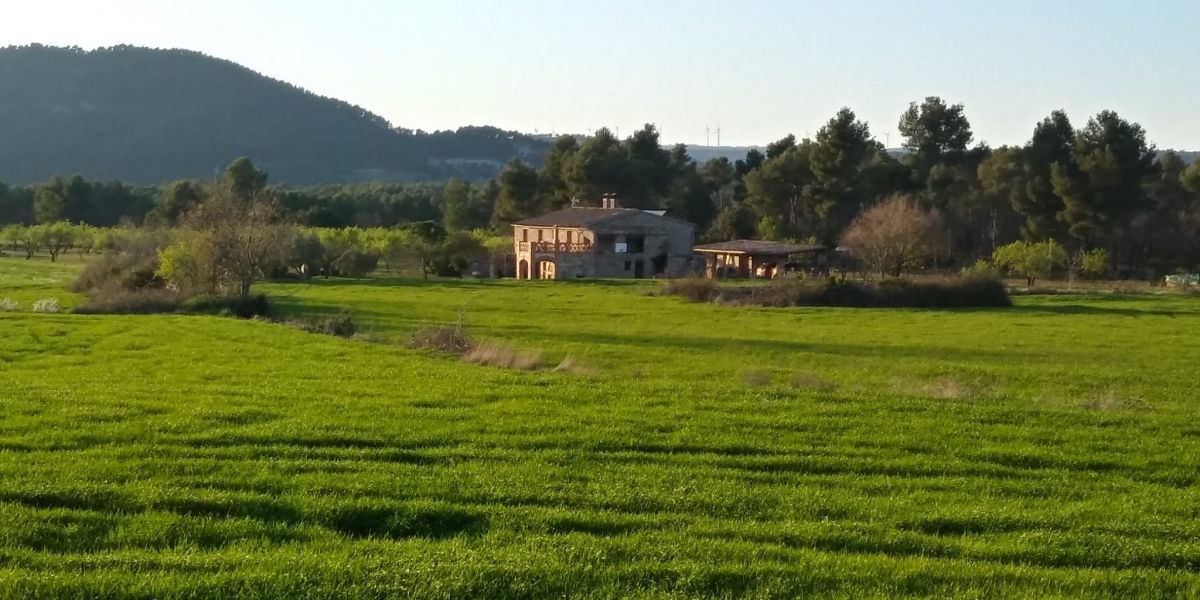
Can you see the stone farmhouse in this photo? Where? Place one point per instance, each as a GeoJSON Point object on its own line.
{"type": "Point", "coordinates": [605, 242]}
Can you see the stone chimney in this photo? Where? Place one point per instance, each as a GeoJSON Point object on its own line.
{"type": "Point", "coordinates": [610, 201]}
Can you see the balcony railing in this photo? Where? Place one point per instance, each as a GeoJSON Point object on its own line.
{"type": "Point", "coordinates": [560, 247]}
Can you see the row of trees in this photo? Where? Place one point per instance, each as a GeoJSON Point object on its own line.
{"type": "Point", "coordinates": [898, 234]}
{"type": "Point", "coordinates": [227, 234]}
{"type": "Point", "coordinates": [1099, 186]}
{"type": "Point", "coordinates": [103, 204]}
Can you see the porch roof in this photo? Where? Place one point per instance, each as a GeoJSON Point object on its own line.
{"type": "Point", "coordinates": [758, 248]}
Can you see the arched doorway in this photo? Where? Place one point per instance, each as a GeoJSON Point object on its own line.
{"type": "Point", "coordinates": [546, 270]}
{"type": "Point", "coordinates": [523, 270]}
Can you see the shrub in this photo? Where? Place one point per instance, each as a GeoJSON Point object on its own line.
{"type": "Point", "coordinates": [242, 308]}
{"type": "Point", "coordinates": [339, 325]}
{"type": "Point", "coordinates": [454, 256]}
{"type": "Point", "coordinates": [503, 356]}
{"type": "Point", "coordinates": [46, 305]}
{"type": "Point", "coordinates": [1093, 263]}
{"type": "Point", "coordinates": [130, 269]}
{"type": "Point", "coordinates": [353, 263]}
{"type": "Point", "coordinates": [442, 339]}
{"type": "Point", "coordinates": [953, 293]}
{"type": "Point", "coordinates": [889, 293]}
{"type": "Point", "coordinates": [693, 288]}
{"type": "Point", "coordinates": [1031, 261]}
{"type": "Point", "coordinates": [304, 254]}
{"type": "Point", "coordinates": [982, 268]}
{"type": "Point", "coordinates": [9, 305]}
{"type": "Point", "coordinates": [120, 301]}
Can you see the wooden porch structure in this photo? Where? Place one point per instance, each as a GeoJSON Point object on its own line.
{"type": "Point", "coordinates": [750, 259]}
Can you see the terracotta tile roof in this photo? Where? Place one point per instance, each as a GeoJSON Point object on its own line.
{"type": "Point", "coordinates": [574, 217]}
{"type": "Point", "coordinates": [759, 247]}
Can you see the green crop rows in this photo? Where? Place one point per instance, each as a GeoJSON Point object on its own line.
{"type": "Point", "coordinates": [1049, 450]}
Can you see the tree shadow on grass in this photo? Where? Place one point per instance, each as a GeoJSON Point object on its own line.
{"type": "Point", "coordinates": [261, 509]}
{"type": "Point", "coordinates": [335, 282]}
{"type": "Point", "coordinates": [594, 526]}
{"type": "Point", "coordinates": [739, 347]}
{"type": "Point", "coordinates": [468, 284]}
{"type": "Point", "coordinates": [95, 500]}
{"type": "Point", "coordinates": [1090, 310]}
{"type": "Point", "coordinates": [404, 522]}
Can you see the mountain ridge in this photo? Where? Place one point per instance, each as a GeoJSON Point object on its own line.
{"type": "Point", "coordinates": [150, 116]}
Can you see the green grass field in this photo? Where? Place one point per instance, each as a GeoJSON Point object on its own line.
{"type": "Point", "coordinates": [1049, 450]}
{"type": "Point", "coordinates": [27, 281]}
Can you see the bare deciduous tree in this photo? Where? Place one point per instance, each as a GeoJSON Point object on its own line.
{"type": "Point", "coordinates": [893, 235]}
{"type": "Point", "coordinates": [231, 240]}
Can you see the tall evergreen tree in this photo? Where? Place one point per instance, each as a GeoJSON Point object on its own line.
{"type": "Point", "coordinates": [1052, 144]}
{"type": "Point", "coordinates": [518, 197]}
{"type": "Point", "coordinates": [554, 176]}
{"type": "Point", "coordinates": [457, 201]}
{"type": "Point", "coordinates": [839, 154]}
{"type": "Point", "coordinates": [1113, 162]}
{"type": "Point", "coordinates": [936, 133]}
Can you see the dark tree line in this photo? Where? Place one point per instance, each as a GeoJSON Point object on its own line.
{"type": "Point", "coordinates": [1096, 186]}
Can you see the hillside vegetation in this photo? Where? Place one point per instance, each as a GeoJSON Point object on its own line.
{"type": "Point", "coordinates": [1044, 450]}
{"type": "Point", "coordinates": [152, 116]}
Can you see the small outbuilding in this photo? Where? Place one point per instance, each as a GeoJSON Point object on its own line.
{"type": "Point", "coordinates": [751, 259]}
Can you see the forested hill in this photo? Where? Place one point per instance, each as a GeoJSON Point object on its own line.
{"type": "Point", "coordinates": [151, 116]}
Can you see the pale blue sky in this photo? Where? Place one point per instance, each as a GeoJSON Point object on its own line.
{"type": "Point", "coordinates": [759, 69]}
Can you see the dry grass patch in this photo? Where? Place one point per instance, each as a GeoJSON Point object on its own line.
{"type": "Point", "coordinates": [503, 356]}
{"type": "Point", "coordinates": [576, 366]}
{"type": "Point", "coordinates": [452, 340]}
{"type": "Point", "coordinates": [1111, 401]}
{"type": "Point", "coordinates": [945, 388]}
{"type": "Point", "coordinates": [442, 339]}
{"type": "Point", "coordinates": [809, 381]}
{"type": "Point", "coordinates": [375, 337]}
{"type": "Point", "coordinates": [694, 289]}
{"type": "Point", "coordinates": [757, 378]}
